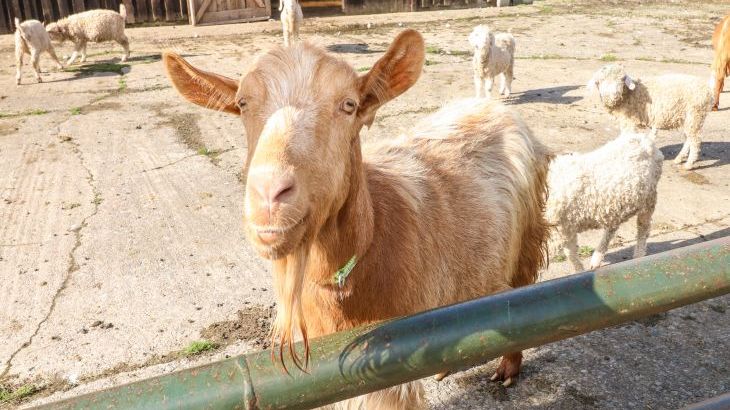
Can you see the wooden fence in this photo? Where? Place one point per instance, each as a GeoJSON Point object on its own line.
{"type": "Point", "coordinates": [138, 11]}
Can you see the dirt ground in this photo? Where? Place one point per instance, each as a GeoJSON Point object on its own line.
{"type": "Point", "coordinates": [121, 238]}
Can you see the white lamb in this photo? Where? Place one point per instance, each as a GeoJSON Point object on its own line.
{"type": "Point", "coordinates": [494, 54]}
{"type": "Point", "coordinates": [665, 102]}
{"type": "Point", "coordinates": [291, 19]}
{"type": "Point", "coordinates": [31, 38]}
{"type": "Point", "coordinates": [603, 189]}
{"type": "Point", "coordinates": [93, 25]}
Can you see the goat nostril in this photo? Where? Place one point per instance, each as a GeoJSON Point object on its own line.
{"type": "Point", "coordinates": [286, 188]}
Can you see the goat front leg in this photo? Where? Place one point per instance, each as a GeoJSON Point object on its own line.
{"type": "Point", "coordinates": [682, 153]}
{"type": "Point", "coordinates": [83, 53]}
{"type": "Point", "coordinates": [508, 369]}
{"type": "Point", "coordinates": [124, 42]}
{"type": "Point", "coordinates": [77, 48]}
{"type": "Point", "coordinates": [478, 84]}
{"type": "Point", "coordinates": [695, 144]}
{"type": "Point", "coordinates": [570, 246]}
{"type": "Point", "coordinates": [600, 251]}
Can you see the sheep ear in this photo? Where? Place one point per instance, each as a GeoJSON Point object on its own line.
{"type": "Point", "coordinates": [200, 87]}
{"type": "Point", "coordinates": [392, 75]}
{"type": "Point", "coordinates": [629, 82]}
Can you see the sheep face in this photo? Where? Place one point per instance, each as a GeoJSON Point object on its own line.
{"type": "Point", "coordinates": [56, 32]}
{"type": "Point", "coordinates": [481, 38]}
{"type": "Point", "coordinates": [612, 84]}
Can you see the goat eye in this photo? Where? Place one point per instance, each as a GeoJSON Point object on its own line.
{"type": "Point", "coordinates": [348, 105]}
{"type": "Point", "coordinates": [241, 104]}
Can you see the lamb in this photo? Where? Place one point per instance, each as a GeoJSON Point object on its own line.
{"type": "Point", "coordinates": [31, 38]}
{"type": "Point", "coordinates": [93, 25]}
{"type": "Point", "coordinates": [603, 189]}
{"type": "Point", "coordinates": [665, 102]}
{"type": "Point", "coordinates": [291, 19]}
{"type": "Point", "coordinates": [359, 233]}
{"type": "Point", "coordinates": [721, 62]}
{"type": "Point", "coordinates": [494, 54]}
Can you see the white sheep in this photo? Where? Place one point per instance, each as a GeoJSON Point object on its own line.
{"type": "Point", "coordinates": [494, 54]}
{"type": "Point", "coordinates": [31, 38]}
{"type": "Point", "coordinates": [665, 102]}
{"type": "Point", "coordinates": [602, 189]}
{"type": "Point", "coordinates": [92, 25]}
{"type": "Point", "coordinates": [291, 19]}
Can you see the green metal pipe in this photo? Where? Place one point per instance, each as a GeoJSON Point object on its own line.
{"type": "Point", "coordinates": [370, 358]}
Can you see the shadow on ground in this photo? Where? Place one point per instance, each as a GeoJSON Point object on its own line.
{"type": "Point", "coordinates": [353, 48]}
{"type": "Point", "coordinates": [710, 150]}
{"type": "Point", "coordinates": [552, 95]}
{"type": "Point", "coordinates": [627, 253]}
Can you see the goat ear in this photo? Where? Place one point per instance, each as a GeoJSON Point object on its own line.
{"type": "Point", "coordinates": [200, 87]}
{"type": "Point", "coordinates": [629, 82]}
{"type": "Point", "coordinates": [392, 75]}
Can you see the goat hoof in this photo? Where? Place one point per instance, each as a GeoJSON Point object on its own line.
{"type": "Point", "coordinates": [507, 382]}
{"type": "Point", "coordinates": [441, 376]}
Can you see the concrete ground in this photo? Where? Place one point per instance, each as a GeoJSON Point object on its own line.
{"type": "Point", "coordinates": [120, 204]}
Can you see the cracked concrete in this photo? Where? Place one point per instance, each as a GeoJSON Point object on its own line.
{"type": "Point", "coordinates": [110, 213]}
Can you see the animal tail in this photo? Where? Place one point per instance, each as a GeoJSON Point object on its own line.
{"type": "Point", "coordinates": [123, 11]}
{"type": "Point", "coordinates": [20, 29]}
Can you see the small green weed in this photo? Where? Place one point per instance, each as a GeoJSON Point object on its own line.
{"type": "Point", "coordinates": [363, 69]}
{"type": "Point", "coordinates": [75, 110]}
{"type": "Point", "coordinates": [199, 346]}
{"type": "Point", "coordinates": [434, 50]}
{"type": "Point", "coordinates": [11, 396]}
{"type": "Point", "coordinates": [609, 58]}
{"type": "Point", "coordinates": [122, 84]}
{"type": "Point", "coordinates": [559, 258]}
{"type": "Point", "coordinates": [430, 62]}
{"type": "Point", "coordinates": [585, 251]}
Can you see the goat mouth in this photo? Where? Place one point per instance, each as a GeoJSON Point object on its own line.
{"type": "Point", "coordinates": [269, 235]}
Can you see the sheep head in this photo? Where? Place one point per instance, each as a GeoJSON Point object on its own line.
{"type": "Point", "coordinates": [612, 84]}
{"type": "Point", "coordinates": [56, 32]}
{"type": "Point", "coordinates": [481, 38]}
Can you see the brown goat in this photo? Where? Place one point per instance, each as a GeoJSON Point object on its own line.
{"type": "Point", "coordinates": [721, 62]}
{"type": "Point", "coordinates": [451, 212]}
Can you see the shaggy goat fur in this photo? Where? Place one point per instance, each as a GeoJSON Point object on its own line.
{"type": "Point", "coordinates": [291, 19]}
{"type": "Point", "coordinates": [602, 189]}
{"type": "Point", "coordinates": [447, 213]}
{"type": "Point", "coordinates": [93, 25]}
{"type": "Point", "coordinates": [31, 38]}
{"type": "Point", "coordinates": [721, 62]}
{"type": "Point", "coordinates": [665, 102]}
{"type": "Point", "coordinates": [494, 54]}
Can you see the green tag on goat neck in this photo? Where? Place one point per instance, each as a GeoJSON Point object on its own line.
{"type": "Point", "coordinates": [344, 271]}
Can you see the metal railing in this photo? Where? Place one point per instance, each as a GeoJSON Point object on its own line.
{"type": "Point", "coordinates": [367, 359]}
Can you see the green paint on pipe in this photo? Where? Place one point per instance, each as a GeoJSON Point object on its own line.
{"type": "Point", "coordinates": [367, 359]}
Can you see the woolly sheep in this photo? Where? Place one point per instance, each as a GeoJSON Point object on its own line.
{"type": "Point", "coordinates": [291, 19]}
{"type": "Point", "coordinates": [92, 25]}
{"type": "Point", "coordinates": [603, 189]}
{"type": "Point", "coordinates": [494, 54]}
{"type": "Point", "coordinates": [31, 38]}
{"type": "Point", "coordinates": [665, 102]}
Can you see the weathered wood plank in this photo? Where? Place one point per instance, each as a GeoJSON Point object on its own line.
{"type": "Point", "coordinates": [93, 4]}
{"type": "Point", "coordinates": [47, 7]}
{"type": "Point", "coordinates": [79, 6]}
{"type": "Point", "coordinates": [233, 16]}
{"type": "Point", "coordinates": [62, 8]}
{"type": "Point", "coordinates": [142, 15]}
{"type": "Point", "coordinates": [131, 18]}
{"type": "Point", "coordinates": [27, 10]}
{"type": "Point", "coordinates": [156, 10]}
{"type": "Point", "coordinates": [170, 14]}
{"type": "Point", "coordinates": [16, 11]}
{"type": "Point", "coordinates": [5, 25]}
{"type": "Point", "coordinates": [201, 11]}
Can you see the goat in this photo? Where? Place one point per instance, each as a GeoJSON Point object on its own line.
{"type": "Point", "coordinates": [360, 234]}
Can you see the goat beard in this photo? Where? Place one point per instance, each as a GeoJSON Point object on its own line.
{"type": "Point", "coordinates": [289, 323]}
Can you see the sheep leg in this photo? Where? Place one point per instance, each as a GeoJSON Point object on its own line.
{"type": "Point", "coordinates": [507, 82]}
{"type": "Point", "coordinates": [52, 53]}
{"type": "Point", "coordinates": [694, 142]}
{"type": "Point", "coordinates": [570, 245]}
{"type": "Point", "coordinates": [488, 82]}
{"type": "Point", "coordinates": [83, 53]}
{"type": "Point", "coordinates": [35, 56]}
{"type": "Point", "coordinates": [478, 84]}
{"type": "Point", "coordinates": [508, 368]}
{"type": "Point", "coordinates": [600, 251]}
{"type": "Point", "coordinates": [18, 63]}
{"type": "Point", "coordinates": [77, 48]}
{"type": "Point", "coordinates": [124, 42]}
{"type": "Point", "coordinates": [683, 152]}
{"type": "Point", "coordinates": [643, 225]}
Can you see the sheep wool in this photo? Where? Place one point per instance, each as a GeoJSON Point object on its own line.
{"type": "Point", "coordinates": [665, 102]}
{"type": "Point", "coordinates": [93, 25]}
{"type": "Point", "coordinates": [494, 55]}
{"type": "Point", "coordinates": [602, 189]}
{"type": "Point", "coordinates": [31, 38]}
